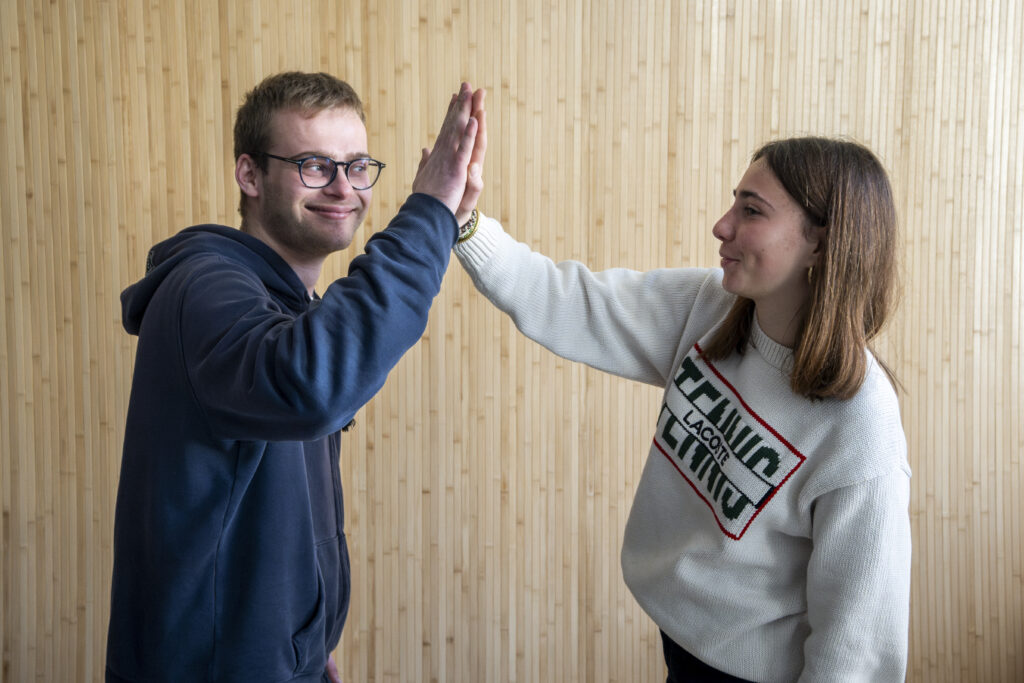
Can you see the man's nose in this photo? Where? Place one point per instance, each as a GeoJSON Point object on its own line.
{"type": "Point", "coordinates": [340, 186]}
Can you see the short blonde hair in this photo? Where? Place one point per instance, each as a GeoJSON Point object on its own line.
{"type": "Point", "coordinates": [306, 92]}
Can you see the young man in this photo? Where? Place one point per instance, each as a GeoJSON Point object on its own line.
{"type": "Point", "coordinates": [230, 561]}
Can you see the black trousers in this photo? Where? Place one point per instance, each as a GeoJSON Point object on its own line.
{"type": "Point", "coordinates": [685, 668]}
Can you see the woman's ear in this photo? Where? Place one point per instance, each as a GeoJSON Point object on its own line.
{"type": "Point", "coordinates": [247, 175]}
{"type": "Point", "coordinates": [817, 237]}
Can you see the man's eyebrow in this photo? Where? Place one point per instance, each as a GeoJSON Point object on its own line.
{"type": "Point", "coordinates": [314, 153]}
{"type": "Point", "coordinates": [750, 194]}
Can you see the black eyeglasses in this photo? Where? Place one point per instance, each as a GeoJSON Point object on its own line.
{"type": "Point", "coordinates": [318, 172]}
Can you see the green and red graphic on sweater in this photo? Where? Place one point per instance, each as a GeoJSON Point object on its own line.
{"type": "Point", "coordinates": [731, 457]}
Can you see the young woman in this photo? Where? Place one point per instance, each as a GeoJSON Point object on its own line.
{"type": "Point", "coordinates": [769, 538]}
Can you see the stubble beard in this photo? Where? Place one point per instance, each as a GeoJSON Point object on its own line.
{"type": "Point", "coordinates": [308, 237]}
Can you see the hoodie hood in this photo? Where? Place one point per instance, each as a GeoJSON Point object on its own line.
{"type": "Point", "coordinates": [229, 243]}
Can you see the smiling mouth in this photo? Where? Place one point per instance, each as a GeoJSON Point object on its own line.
{"type": "Point", "coordinates": [333, 212]}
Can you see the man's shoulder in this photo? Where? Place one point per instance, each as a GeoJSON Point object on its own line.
{"type": "Point", "coordinates": [202, 263]}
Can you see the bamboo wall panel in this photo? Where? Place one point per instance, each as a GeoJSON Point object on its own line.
{"type": "Point", "coordinates": [488, 484]}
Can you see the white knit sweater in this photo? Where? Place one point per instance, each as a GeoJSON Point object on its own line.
{"type": "Point", "coordinates": [769, 534]}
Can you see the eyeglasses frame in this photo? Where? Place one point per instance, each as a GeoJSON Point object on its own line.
{"type": "Point", "coordinates": [299, 162]}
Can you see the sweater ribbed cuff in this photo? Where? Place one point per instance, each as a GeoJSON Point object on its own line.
{"type": "Point", "coordinates": [479, 248]}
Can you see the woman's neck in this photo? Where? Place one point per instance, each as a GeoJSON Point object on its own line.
{"type": "Point", "coordinates": [781, 326]}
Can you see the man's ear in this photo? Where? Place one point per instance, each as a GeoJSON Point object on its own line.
{"type": "Point", "coordinates": [248, 176]}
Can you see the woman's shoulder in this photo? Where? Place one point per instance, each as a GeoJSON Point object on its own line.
{"type": "Point", "coordinates": [875, 402]}
{"type": "Point", "coordinates": [865, 437]}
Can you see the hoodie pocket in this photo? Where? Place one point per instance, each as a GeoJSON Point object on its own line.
{"type": "Point", "coordinates": [308, 642]}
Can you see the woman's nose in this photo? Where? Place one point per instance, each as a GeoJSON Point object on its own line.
{"type": "Point", "coordinates": [723, 228]}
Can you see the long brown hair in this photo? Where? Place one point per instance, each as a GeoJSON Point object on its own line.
{"type": "Point", "coordinates": [842, 186]}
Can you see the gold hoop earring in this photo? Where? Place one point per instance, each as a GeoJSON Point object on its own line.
{"type": "Point", "coordinates": [810, 274]}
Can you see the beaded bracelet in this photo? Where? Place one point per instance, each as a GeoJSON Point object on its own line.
{"type": "Point", "coordinates": [466, 231]}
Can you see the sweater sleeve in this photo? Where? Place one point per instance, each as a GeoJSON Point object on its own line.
{"type": "Point", "coordinates": [621, 321]}
{"type": "Point", "coordinates": [858, 583]}
{"type": "Point", "coordinates": [263, 373]}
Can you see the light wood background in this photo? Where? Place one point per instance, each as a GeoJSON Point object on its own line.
{"type": "Point", "coordinates": [488, 483]}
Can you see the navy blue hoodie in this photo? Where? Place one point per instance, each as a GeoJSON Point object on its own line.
{"type": "Point", "coordinates": [230, 561]}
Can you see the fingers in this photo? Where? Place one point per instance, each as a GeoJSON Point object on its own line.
{"type": "Point", "coordinates": [444, 172]}
{"type": "Point", "coordinates": [474, 187]}
{"type": "Point", "coordinates": [480, 145]}
{"type": "Point", "coordinates": [474, 179]}
{"type": "Point", "coordinates": [457, 136]}
{"type": "Point", "coordinates": [455, 120]}
{"type": "Point", "coordinates": [478, 99]}
{"type": "Point", "coordinates": [468, 143]}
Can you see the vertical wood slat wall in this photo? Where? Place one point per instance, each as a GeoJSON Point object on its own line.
{"type": "Point", "coordinates": [489, 482]}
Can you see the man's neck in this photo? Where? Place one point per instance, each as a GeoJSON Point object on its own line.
{"type": "Point", "coordinates": [307, 268]}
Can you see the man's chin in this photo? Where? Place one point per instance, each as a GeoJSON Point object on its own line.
{"type": "Point", "coordinates": [339, 238]}
{"type": "Point", "coordinates": [345, 240]}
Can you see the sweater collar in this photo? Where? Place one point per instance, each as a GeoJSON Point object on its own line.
{"type": "Point", "coordinates": [777, 355]}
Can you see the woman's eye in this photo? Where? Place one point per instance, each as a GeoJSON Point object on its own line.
{"type": "Point", "coordinates": [750, 211]}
